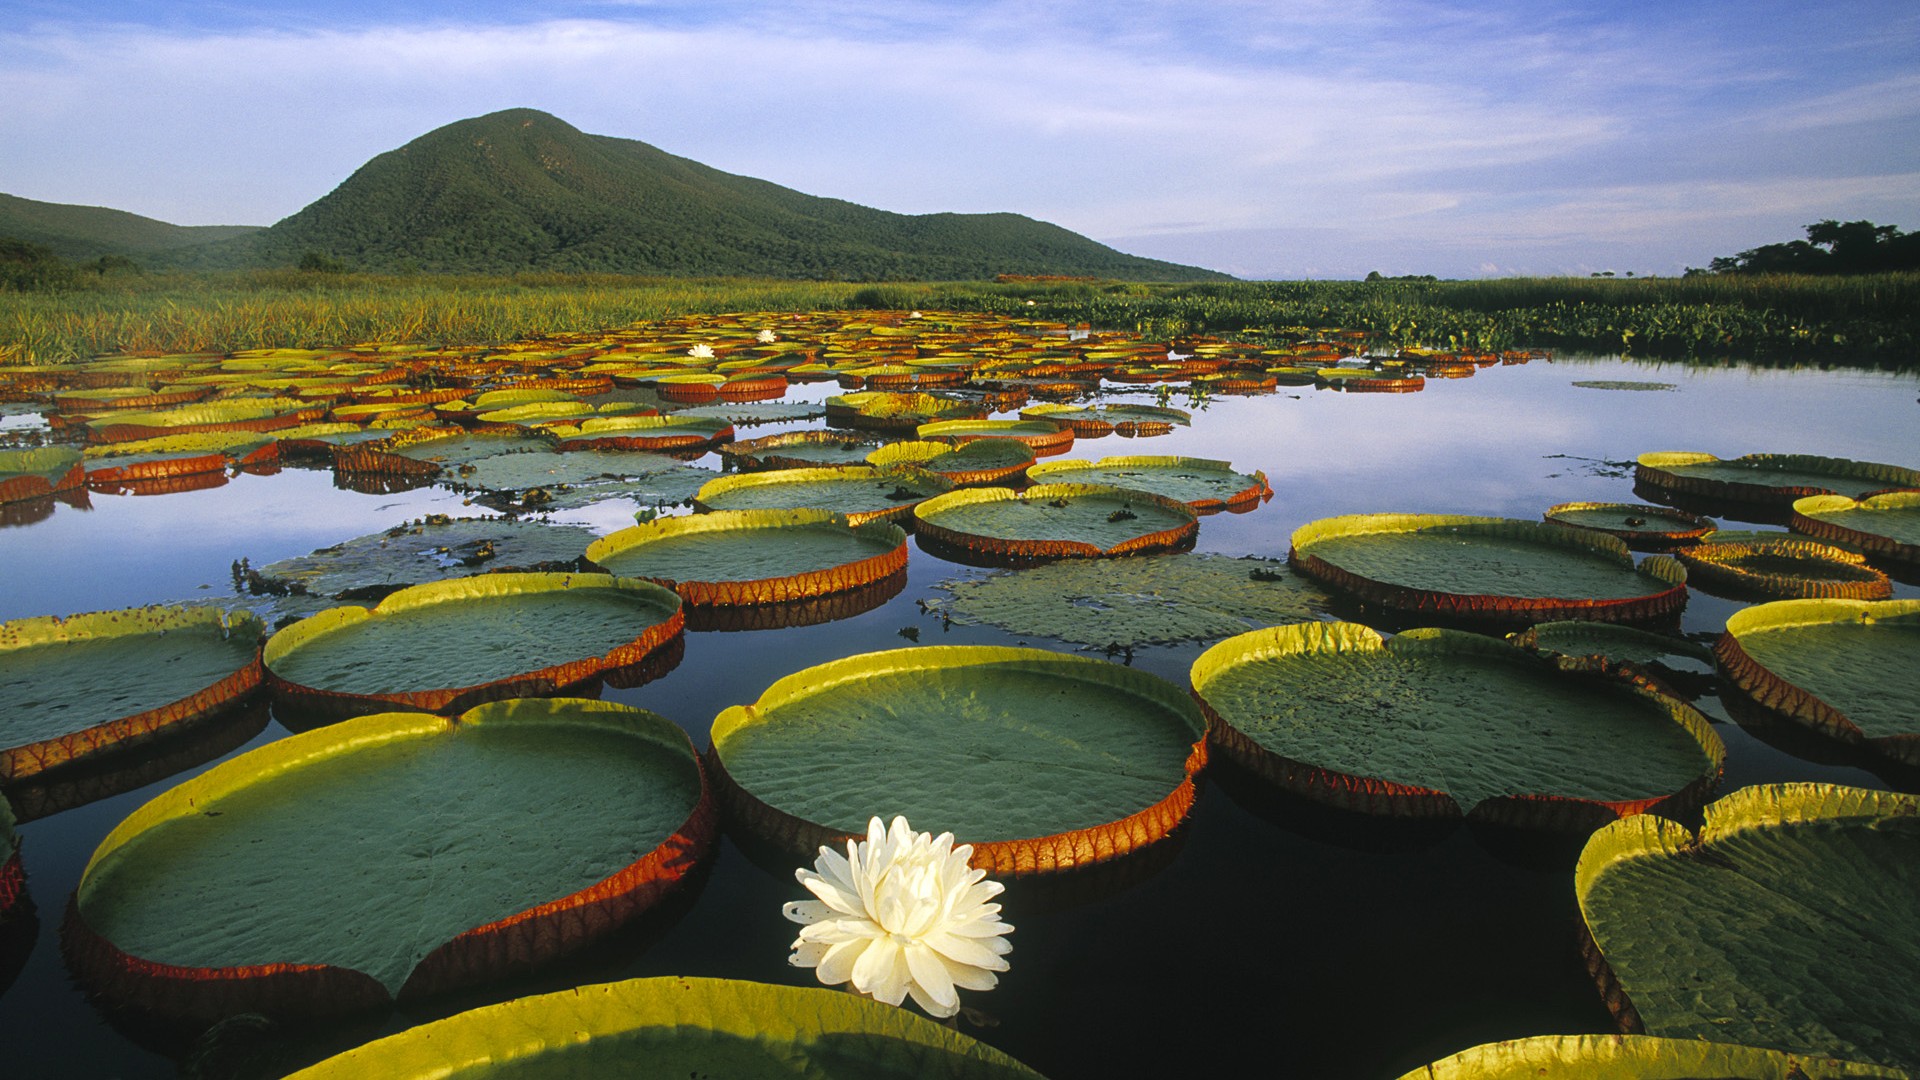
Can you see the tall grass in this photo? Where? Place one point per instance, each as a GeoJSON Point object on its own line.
{"type": "Point", "coordinates": [1873, 319]}
{"type": "Point", "coordinates": [171, 313]}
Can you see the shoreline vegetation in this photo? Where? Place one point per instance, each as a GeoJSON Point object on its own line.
{"type": "Point", "coordinates": [1867, 320]}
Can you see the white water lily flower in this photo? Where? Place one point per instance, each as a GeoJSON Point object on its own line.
{"type": "Point", "coordinates": [701, 352]}
{"type": "Point", "coordinates": [766, 337]}
{"type": "Point", "coordinates": [901, 914]}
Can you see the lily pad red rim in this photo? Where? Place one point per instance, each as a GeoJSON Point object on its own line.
{"type": "Point", "coordinates": [507, 946]}
{"type": "Point", "coordinates": [1491, 607]}
{"type": "Point", "coordinates": [1386, 798]}
{"type": "Point", "coordinates": [779, 589]}
{"type": "Point", "coordinates": [1655, 471]}
{"type": "Point", "coordinates": [930, 531]}
{"type": "Point", "coordinates": [1250, 496]}
{"type": "Point", "coordinates": [1024, 857]}
{"type": "Point", "coordinates": [553, 680]}
{"type": "Point", "coordinates": [1832, 572]}
{"type": "Point", "coordinates": [1808, 521]}
{"type": "Point", "coordinates": [1782, 696]}
{"type": "Point", "coordinates": [31, 759]}
{"type": "Point", "coordinates": [1691, 526]}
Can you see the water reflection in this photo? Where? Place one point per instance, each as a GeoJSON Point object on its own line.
{"type": "Point", "coordinates": [1269, 917]}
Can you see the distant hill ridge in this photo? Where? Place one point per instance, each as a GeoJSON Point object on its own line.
{"type": "Point", "coordinates": [523, 190]}
{"type": "Point", "coordinates": [88, 232]}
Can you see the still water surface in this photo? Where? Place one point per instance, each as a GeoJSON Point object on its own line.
{"type": "Point", "coordinates": [1325, 945]}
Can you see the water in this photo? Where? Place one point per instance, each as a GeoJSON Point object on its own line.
{"type": "Point", "coordinates": [1325, 945]}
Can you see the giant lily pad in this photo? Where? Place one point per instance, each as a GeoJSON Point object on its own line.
{"type": "Point", "coordinates": [39, 471]}
{"type": "Point", "coordinates": [801, 450]}
{"type": "Point", "coordinates": [1771, 479]}
{"type": "Point", "coordinates": [1201, 483]}
{"type": "Point", "coordinates": [1790, 921]}
{"type": "Point", "coordinates": [1847, 668]}
{"type": "Point", "coordinates": [676, 431]}
{"type": "Point", "coordinates": [1042, 436]}
{"type": "Point", "coordinates": [1444, 722]}
{"type": "Point", "coordinates": [427, 451]}
{"type": "Point", "coordinates": [860, 492]}
{"type": "Point", "coordinates": [391, 856]}
{"type": "Point", "coordinates": [749, 413]}
{"type": "Point", "coordinates": [980, 461]}
{"type": "Point", "coordinates": [448, 645]}
{"type": "Point", "coordinates": [1640, 1057]}
{"type": "Point", "coordinates": [1040, 760]}
{"type": "Point", "coordinates": [1642, 527]}
{"type": "Point", "coordinates": [431, 549]}
{"type": "Point", "coordinates": [1054, 521]}
{"type": "Point", "coordinates": [678, 1027]}
{"type": "Point", "coordinates": [1884, 526]}
{"type": "Point", "coordinates": [754, 556]}
{"type": "Point", "coordinates": [1149, 600]}
{"type": "Point", "coordinates": [1093, 421]}
{"type": "Point", "coordinates": [1481, 568]}
{"type": "Point", "coordinates": [1782, 566]}
{"type": "Point", "coordinates": [74, 687]}
{"type": "Point", "coordinates": [883, 410]}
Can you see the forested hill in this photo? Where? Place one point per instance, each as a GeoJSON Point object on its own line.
{"type": "Point", "coordinates": [88, 232]}
{"type": "Point", "coordinates": [522, 190]}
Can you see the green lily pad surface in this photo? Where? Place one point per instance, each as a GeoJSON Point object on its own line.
{"type": "Point", "coordinates": [978, 461]}
{"type": "Point", "coordinates": [60, 677]}
{"type": "Point", "coordinates": [580, 477]}
{"type": "Point", "coordinates": [1782, 566]}
{"type": "Point", "coordinates": [861, 492]}
{"type": "Point", "coordinates": [1644, 527]}
{"type": "Point", "coordinates": [1493, 566]}
{"type": "Point", "coordinates": [1056, 520]}
{"type": "Point", "coordinates": [748, 413]}
{"type": "Point", "coordinates": [369, 844]}
{"type": "Point", "coordinates": [1847, 667]}
{"type": "Point", "coordinates": [1618, 644]}
{"type": "Point", "coordinates": [1777, 478]}
{"type": "Point", "coordinates": [744, 556]}
{"type": "Point", "coordinates": [468, 632]}
{"type": "Point", "coordinates": [1153, 599]}
{"type": "Point", "coordinates": [1790, 921]}
{"type": "Point", "coordinates": [1451, 712]}
{"type": "Point", "coordinates": [679, 1027]}
{"type": "Point", "coordinates": [802, 450]}
{"type": "Point", "coordinates": [1885, 526]}
{"type": "Point", "coordinates": [992, 744]}
{"type": "Point", "coordinates": [1198, 482]}
{"type": "Point", "coordinates": [420, 551]}
{"type": "Point", "coordinates": [1640, 1057]}
{"type": "Point", "coordinates": [1092, 421]}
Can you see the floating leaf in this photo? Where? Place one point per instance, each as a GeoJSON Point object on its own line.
{"type": "Point", "coordinates": [801, 450]}
{"type": "Point", "coordinates": [1444, 722]}
{"type": "Point", "coordinates": [447, 645]}
{"type": "Point", "coordinates": [1847, 668]}
{"type": "Point", "coordinates": [1771, 479]}
{"type": "Point", "coordinates": [754, 556]}
{"type": "Point", "coordinates": [981, 461]}
{"type": "Point", "coordinates": [74, 687]}
{"type": "Point", "coordinates": [391, 856]}
{"type": "Point", "coordinates": [1781, 566]}
{"type": "Point", "coordinates": [679, 1027]}
{"type": "Point", "coordinates": [430, 549]}
{"type": "Point", "coordinates": [1884, 526]}
{"type": "Point", "coordinates": [1639, 1057]}
{"type": "Point", "coordinates": [1201, 483]}
{"type": "Point", "coordinates": [1486, 568]}
{"type": "Point", "coordinates": [1790, 921]}
{"type": "Point", "coordinates": [1040, 760]}
{"type": "Point", "coordinates": [1054, 521]}
{"type": "Point", "coordinates": [860, 492]}
{"type": "Point", "coordinates": [1149, 600]}
{"type": "Point", "coordinates": [1641, 526]}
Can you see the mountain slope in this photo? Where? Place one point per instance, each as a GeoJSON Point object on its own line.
{"type": "Point", "coordinates": [520, 189]}
{"type": "Point", "coordinates": [88, 232]}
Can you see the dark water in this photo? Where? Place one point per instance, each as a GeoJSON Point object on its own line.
{"type": "Point", "coordinates": [1326, 945]}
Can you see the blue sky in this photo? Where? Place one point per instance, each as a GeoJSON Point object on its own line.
{"type": "Point", "coordinates": [1292, 138]}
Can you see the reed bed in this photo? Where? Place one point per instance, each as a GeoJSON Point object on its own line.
{"type": "Point", "coordinates": [1873, 320]}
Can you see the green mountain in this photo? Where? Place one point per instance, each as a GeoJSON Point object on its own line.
{"type": "Point", "coordinates": [88, 232]}
{"type": "Point", "coordinates": [522, 190]}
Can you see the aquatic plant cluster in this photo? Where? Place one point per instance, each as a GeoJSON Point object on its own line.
{"type": "Point", "coordinates": [418, 666]}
